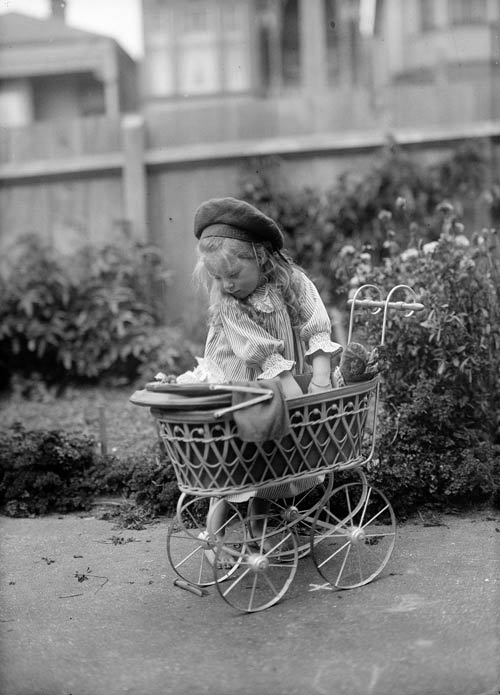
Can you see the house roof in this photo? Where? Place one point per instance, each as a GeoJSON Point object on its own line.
{"type": "Point", "coordinates": [17, 28]}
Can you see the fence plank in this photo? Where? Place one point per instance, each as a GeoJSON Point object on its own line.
{"type": "Point", "coordinates": [134, 175]}
{"type": "Point", "coordinates": [45, 169]}
{"type": "Point", "coordinates": [105, 215]}
{"type": "Point", "coordinates": [101, 134]}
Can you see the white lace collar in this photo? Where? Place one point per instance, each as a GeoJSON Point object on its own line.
{"type": "Point", "coordinates": [261, 300]}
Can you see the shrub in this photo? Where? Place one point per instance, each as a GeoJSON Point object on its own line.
{"type": "Point", "coordinates": [148, 479]}
{"type": "Point", "coordinates": [323, 228]}
{"type": "Point", "coordinates": [166, 349]}
{"type": "Point", "coordinates": [45, 471]}
{"type": "Point", "coordinates": [427, 458]}
{"type": "Point", "coordinates": [80, 318]}
{"type": "Point", "coordinates": [440, 428]}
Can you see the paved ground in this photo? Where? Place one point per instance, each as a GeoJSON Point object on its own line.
{"type": "Point", "coordinates": [87, 609]}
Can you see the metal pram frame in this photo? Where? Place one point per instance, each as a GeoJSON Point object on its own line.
{"type": "Point", "coordinates": [348, 529]}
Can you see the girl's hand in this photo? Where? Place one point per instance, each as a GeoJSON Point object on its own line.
{"type": "Point", "coordinates": [321, 379]}
{"type": "Point", "coordinates": [291, 389]}
{"type": "Point", "coordinates": [318, 388]}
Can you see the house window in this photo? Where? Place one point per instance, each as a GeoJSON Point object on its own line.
{"type": "Point", "coordinates": [235, 49]}
{"type": "Point", "coordinates": [160, 73]}
{"type": "Point", "coordinates": [332, 13]}
{"type": "Point", "coordinates": [290, 43]}
{"type": "Point", "coordinates": [231, 18]}
{"type": "Point", "coordinates": [196, 48]}
{"type": "Point", "coordinates": [198, 70]}
{"type": "Point", "coordinates": [427, 15]}
{"type": "Point", "coordinates": [199, 47]}
{"type": "Point", "coordinates": [467, 12]}
{"type": "Point", "coordinates": [194, 19]}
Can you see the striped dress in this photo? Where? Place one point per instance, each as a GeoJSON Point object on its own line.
{"type": "Point", "coordinates": [255, 339]}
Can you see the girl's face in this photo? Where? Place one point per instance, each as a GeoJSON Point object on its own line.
{"type": "Point", "coordinates": [239, 279]}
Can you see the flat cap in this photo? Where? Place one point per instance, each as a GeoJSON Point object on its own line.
{"type": "Point", "coordinates": [237, 219]}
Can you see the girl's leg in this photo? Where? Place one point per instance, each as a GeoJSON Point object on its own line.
{"type": "Point", "coordinates": [260, 505]}
{"type": "Point", "coordinates": [216, 519]}
{"type": "Point", "coordinates": [217, 515]}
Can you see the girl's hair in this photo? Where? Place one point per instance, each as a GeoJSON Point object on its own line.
{"type": "Point", "coordinates": [276, 269]}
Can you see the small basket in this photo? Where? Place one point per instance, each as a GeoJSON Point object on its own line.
{"type": "Point", "coordinates": [326, 433]}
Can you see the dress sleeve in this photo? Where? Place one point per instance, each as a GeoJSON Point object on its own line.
{"type": "Point", "coordinates": [239, 337]}
{"type": "Point", "coordinates": [316, 326]}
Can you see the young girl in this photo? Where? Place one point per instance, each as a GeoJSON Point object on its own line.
{"type": "Point", "coordinates": [266, 317]}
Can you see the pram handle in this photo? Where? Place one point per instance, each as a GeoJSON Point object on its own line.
{"type": "Point", "coordinates": [260, 396]}
{"type": "Point", "coordinates": [379, 304]}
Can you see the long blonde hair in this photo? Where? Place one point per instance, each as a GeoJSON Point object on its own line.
{"type": "Point", "coordinates": [276, 269]}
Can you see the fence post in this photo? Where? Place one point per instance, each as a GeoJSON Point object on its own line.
{"type": "Point", "coordinates": [134, 175]}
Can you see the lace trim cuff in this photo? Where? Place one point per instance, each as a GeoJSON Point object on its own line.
{"type": "Point", "coordinates": [274, 365]}
{"type": "Point", "coordinates": [321, 341]}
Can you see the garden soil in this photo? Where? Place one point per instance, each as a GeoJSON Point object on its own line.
{"type": "Point", "coordinates": [89, 609]}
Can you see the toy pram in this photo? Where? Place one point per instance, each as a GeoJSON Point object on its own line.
{"type": "Point", "coordinates": [348, 528]}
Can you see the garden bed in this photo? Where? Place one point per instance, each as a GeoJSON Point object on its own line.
{"type": "Point", "coordinates": [128, 429]}
{"type": "Point", "coordinates": [70, 452]}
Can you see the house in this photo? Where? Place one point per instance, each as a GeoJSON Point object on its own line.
{"type": "Point", "coordinates": [252, 69]}
{"type": "Point", "coordinates": [440, 59]}
{"type": "Point", "coordinates": [422, 35]}
{"type": "Point", "coordinates": [213, 48]}
{"type": "Point", "coordinates": [49, 70]}
{"type": "Point", "coordinates": [349, 64]}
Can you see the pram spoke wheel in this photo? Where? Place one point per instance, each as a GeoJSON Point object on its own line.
{"type": "Point", "coordinates": [299, 511]}
{"type": "Point", "coordinates": [262, 578]}
{"type": "Point", "coordinates": [353, 536]}
{"type": "Point", "coordinates": [189, 547]}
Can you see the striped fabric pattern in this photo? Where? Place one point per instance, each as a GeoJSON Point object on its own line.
{"type": "Point", "coordinates": [256, 340]}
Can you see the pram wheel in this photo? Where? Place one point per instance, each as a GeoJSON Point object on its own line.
{"type": "Point", "coordinates": [189, 548]}
{"type": "Point", "coordinates": [257, 544]}
{"type": "Point", "coordinates": [353, 535]}
{"type": "Point", "coordinates": [299, 511]}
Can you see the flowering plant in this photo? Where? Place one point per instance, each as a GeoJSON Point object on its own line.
{"type": "Point", "coordinates": [440, 425]}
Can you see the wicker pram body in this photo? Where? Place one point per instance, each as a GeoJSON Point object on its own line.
{"type": "Point", "coordinates": [326, 433]}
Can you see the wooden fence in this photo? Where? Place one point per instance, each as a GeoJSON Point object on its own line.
{"type": "Point", "coordinates": [90, 180]}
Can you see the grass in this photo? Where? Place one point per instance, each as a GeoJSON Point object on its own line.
{"type": "Point", "coordinates": [125, 428]}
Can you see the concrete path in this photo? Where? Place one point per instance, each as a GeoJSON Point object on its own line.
{"type": "Point", "coordinates": [87, 609]}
